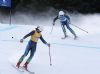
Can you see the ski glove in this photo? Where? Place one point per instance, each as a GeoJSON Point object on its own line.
{"type": "Point", "coordinates": [53, 23]}
{"type": "Point", "coordinates": [48, 44]}
{"type": "Point", "coordinates": [21, 40]}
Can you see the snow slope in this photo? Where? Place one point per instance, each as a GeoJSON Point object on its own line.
{"type": "Point", "coordinates": [69, 56]}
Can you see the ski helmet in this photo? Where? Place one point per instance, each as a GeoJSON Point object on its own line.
{"type": "Point", "coordinates": [61, 13]}
{"type": "Point", "coordinates": [40, 28]}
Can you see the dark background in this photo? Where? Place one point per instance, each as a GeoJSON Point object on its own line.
{"type": "Point", "coordinates": [81, 6]}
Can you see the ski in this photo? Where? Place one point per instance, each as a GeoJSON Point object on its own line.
{"type": "Point", "coordinates": [75, 38]}
{"type": "Point", "coordinates": [30, 72]}
{"type": "Point", "coordinates": [65, 37]}
{"type": "Point", "coordinates": [18, 69]}
{"type": "Point", "coordinates": [22, 69]}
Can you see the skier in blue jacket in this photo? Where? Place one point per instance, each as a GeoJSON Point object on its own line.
{"type": "Point", "coordinates": [35, 35]}
{"type": "Point", "coordinates": [65, 21]}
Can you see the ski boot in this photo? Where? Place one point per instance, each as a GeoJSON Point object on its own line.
{"type": "Point", "coordinates": [64, 37]}
{"type": "Point", "coordinates": [25, 66]}
{"type": "Point", "coordinates": [18, 64]}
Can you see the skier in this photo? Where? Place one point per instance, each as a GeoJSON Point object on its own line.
{"type": "Point", "coordinates": [35, 35]}
{"type": "Point", "coordinates": [65, 21]}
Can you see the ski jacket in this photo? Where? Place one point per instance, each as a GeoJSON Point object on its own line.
{"type": "Point", "coordinates": [62, 18]}
{"type": "Point", "coordinates": [35, 36]}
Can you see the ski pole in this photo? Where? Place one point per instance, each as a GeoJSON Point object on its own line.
{"type": "Point", "coordinates": [51, 30]}
{"type": "Point", "coordinates": [80, 28]}
{"type": "Point", "coordinates": [50, 57]}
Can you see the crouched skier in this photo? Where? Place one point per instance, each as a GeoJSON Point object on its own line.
{"type": "Point", "coordinates": [65, 21]}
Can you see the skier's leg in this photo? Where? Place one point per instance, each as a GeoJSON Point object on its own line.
{"type": "Point", "coordinates": [31, 54]}
{"type": "Point", "coordinates": [30, 57]}
{"type": "Point", "coordinates": [64, 30]}
{"type": "Point", "coordinates": [68, 27]}
{"type": "Point", "coordinates": [23, 56]}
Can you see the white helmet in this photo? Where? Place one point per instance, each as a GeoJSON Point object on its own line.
{"type": "Point", "coordinates": [40, 28]}
{"type": "Point", "coordinates": [61, 13]}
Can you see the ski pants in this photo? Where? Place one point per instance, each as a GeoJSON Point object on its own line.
{"type": "Point", "coordinates": [30, 47]}
{"type": "Point", "coordinates": [63, 24]}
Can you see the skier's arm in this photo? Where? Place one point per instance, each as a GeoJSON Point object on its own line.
{"type": "Point", "coordinates": [29, 34]}
{"type": "Point", "coordinates": [32, 32]}
{"type": "Point", "coordinates": [41, 38]}
{"type": "Point", "coordinates": [68, 19]}
{"type": "Point", "coordinates": [55, 20]}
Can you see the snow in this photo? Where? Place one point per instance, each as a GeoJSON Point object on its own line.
{"type": "Point", "coordinates": [69, 56]}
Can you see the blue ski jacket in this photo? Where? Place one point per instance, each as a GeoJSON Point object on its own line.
{"type": "Point", "coordinates": [63, 19]}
